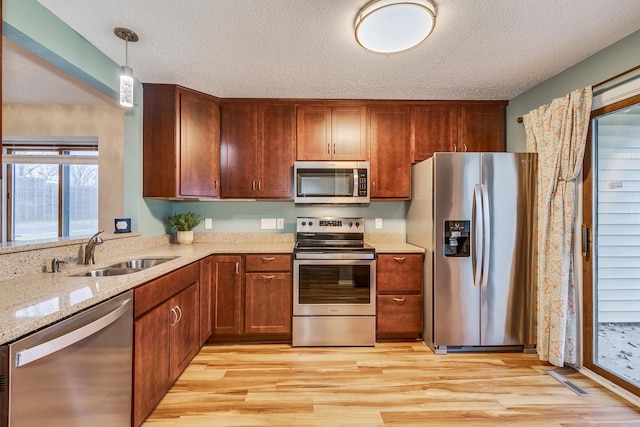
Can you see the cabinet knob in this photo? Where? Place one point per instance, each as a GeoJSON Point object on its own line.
{"type": "Point", "coordinates": [399, 259]}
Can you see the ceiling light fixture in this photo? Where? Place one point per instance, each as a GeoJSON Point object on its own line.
{"type": "Point", "coordinates": [126, 77]}
{"type": "Point", "coordinates": [391, 26]}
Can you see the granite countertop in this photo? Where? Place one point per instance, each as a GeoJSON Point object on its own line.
{"type": "Point", "coordinates": [37, 300]}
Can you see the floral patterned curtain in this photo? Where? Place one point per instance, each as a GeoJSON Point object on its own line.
{"type": "Point", "coordinates": [558, 132]}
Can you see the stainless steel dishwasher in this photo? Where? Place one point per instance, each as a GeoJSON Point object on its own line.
{"type": "Point", "coordinates": [76, 372]}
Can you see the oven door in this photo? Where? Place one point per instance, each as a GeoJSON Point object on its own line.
{"type": "Point", "coordinates": [334, 287]}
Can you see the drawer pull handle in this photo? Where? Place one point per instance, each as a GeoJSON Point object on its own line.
{"type": "Point", "coordinates": [399, 301]}
{"type": "Point", "coordinates": [268, 258]}
{"type": "Point", "coordinates": [399, 259]}
{"type": "Point", "coordinates": [269, 277]}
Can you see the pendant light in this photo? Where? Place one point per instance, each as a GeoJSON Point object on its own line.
{"type": "Point", "coordinates": [126, 76]}
{"type": "Point", "coordinates": [391, 26]}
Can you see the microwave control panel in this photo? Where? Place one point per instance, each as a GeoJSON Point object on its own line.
{"type": "Point", "coordinates": [362, 182]}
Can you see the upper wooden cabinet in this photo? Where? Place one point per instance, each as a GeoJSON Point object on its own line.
{"type": "Point", "coordinates": [257, 150]}
{"type": "Point", "coordinates": [326, 132]}
{"type": "Point", "coordinates": [390, 133]}
{"type": "Point", "coordinates": [181, 143]}
{"type": "Point", "coordinates": [457, 126]}
{"type": "Point", "coordinates": [435, 128]}
{"type": "Point", "coordinates": [482, 127]}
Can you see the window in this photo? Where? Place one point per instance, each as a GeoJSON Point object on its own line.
{"type": "Point", "coordinates": [51, 188]}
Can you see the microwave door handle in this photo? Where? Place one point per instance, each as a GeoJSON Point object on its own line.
{"type": "Point", "coordinates": [355, 183]}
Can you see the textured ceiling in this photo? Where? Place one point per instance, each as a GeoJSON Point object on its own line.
{"type": "Point", "coordinates": [480, 49]}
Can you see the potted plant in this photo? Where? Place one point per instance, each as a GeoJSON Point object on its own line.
{"type": "Point", "coordinates": [184, 223]}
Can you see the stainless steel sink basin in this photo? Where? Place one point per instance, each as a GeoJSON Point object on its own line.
{"type": "Point", "coordinates": [140, 263]}
{"type": "Point", "coordinates": [109, 271]}
{"type": "Point", "coordinates": [126, 267]}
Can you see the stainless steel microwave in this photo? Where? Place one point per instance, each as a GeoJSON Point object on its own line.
{"type": "Point", "coordinates": [331, 182]}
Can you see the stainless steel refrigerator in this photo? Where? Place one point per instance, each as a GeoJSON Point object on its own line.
{"type": "Point", "coordinates": [474, 214]}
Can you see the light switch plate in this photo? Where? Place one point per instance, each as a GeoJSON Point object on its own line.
{"type": "Point", "coordinates": [378, 223]}
{"type": "Point", "coordinates": [208, 223]}
{"type": "Point", "coordinates": [280, 223]}
{"type": "Point", "coordinates": [268, 223]}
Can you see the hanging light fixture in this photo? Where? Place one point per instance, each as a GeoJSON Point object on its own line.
{"type": "Point", "coordinates": [391, 26]}
{"type": "Point", "coordinates": [126, 77]}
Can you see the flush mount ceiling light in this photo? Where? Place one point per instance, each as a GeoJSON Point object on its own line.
{"type": "Point", "coordinates": [126, 77]}
{"type": "Point", "coordinates": [391, 26]}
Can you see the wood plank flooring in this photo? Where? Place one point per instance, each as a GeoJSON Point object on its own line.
{"type": "Point", "coordinates": [391, 384]}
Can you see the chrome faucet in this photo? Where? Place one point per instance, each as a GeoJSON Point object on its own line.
{"type": "Point", "coordinates": [90, 248]}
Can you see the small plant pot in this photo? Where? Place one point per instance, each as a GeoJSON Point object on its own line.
{"type": "Point", "coordinates": [184, 237]}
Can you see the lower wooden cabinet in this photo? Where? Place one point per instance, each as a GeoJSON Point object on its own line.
{"type": "Point", "coordinates": [399, 302]}
{"type": "Point", "coordinates": [166, 335]}
{"type": "Point", "coordinates": [251, 298]}
{"type": "Point", "coordinates": [226, 294]}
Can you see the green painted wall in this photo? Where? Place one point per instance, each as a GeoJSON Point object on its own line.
{"type": "Point", "coordinates": [615, 59]}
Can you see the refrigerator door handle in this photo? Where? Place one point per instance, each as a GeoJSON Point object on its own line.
{"type": "Point", "coordinates": [478, 235]}
{"type": "Point", "coordinates": [486, 235]}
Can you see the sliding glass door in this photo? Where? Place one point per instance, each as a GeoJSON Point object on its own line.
{"type": "Point", "coordinates": [611, 244]}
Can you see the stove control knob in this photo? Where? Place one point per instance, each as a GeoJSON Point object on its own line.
{"type": "Point", "coordinates": [350, 224]}
{"type": "Point", "coordinates": [310, 223]}
{"type": "Point", "coordinates": [304, 223]}
{"type": "Point", "coordinates": [357, 224]}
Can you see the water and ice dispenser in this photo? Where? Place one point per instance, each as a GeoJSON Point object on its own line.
{"type": "Point", "coordinates": [457, 242]}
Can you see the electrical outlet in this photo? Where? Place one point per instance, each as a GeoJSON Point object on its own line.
{"type": "Point", "coordinates": [268, 223]}
{"type": "Point", "coordinates": [378, 223]}
{"type": "Point", "coordinates": [280, 223]}
{"type": "Point", "coordinates": [208, 223]}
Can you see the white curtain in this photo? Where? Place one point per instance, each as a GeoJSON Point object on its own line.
{"type": "Point", "coordinates": [558, 132]}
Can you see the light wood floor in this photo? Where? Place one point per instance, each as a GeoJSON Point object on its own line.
{"type": "Point", "coordinates": [399, 384]}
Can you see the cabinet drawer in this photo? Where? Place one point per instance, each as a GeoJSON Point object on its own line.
{"type": "Point", "coordinates": [399, 313]}
{"type": "Point", "coordinates": [399, 273]}
{"type": "Point", "coordinates": [270, 262]}
{"type": "Point", "coordinates": [155, 292]}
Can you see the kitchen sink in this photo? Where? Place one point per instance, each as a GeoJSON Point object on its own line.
{"type": "Point", "coordinates": [140, 263]}
{"type": "Point", "coordinates": [126, 267]}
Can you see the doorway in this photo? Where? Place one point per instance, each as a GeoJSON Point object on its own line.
{"type": "Point", "coordinates": [611, 244]}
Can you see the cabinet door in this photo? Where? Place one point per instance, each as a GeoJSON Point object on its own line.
{"type": "Point", "coordinates": [226, 296]}
{"type": "Point", "coordinates": [435, 129]}
{"type": "Point", "coordinates": [276, 150]}
{"type": "Point", "coordinates": [399, 314]}
{"type": "Point", "coordinates": [238, 149]}
{"type": "Point", "coordinates": [199, 146]}
{"type": "Point", "coordinates": [185, 328]}
{"type": "Point", "coordinates": [349, 133]}
{"type": "Point", "coordinates": [206, 277]}
{"type": "Point", "coordinates": [313, 132]}
{"type": "Point", "coordinates": [482, 127]}
{"type": "Point", "coordinates": [390, 130]}
{"type": "Point", "coordinates": [152, 376]}
{"type": "Point", "coordinates": [267, 303]}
